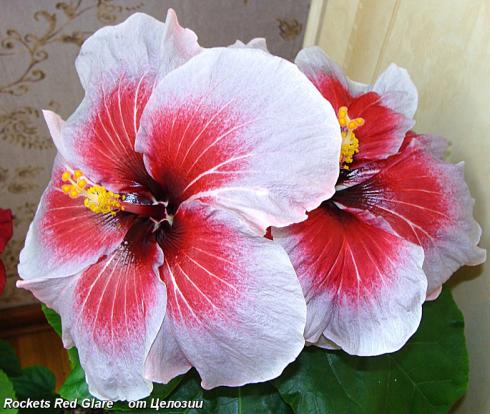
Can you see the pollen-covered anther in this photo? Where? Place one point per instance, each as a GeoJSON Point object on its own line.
{"type": "Point", "coordinates": [350, 143]}
{"type": "Point", "coordinates": [96, 197]}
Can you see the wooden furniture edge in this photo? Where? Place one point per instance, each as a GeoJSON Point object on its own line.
{"type": "Point", "coordinates": [21, 320]}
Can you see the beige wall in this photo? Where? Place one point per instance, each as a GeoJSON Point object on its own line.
{"type": "Point", "coordinates": [445, 45]}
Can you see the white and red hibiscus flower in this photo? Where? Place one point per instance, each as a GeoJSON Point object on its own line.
{"type": "Point", "coordinates": [398, 226]}
{"type": "Point", "coordinates": [6, 230]}
{"type": "Point", "coordinates": [149, 239]}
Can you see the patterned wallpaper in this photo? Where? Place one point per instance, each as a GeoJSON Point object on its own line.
{"type": "Point", "coordinates": [39, 41]}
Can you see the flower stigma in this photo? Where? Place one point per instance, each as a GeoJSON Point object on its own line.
{"type": "Point", "coordinates": [97, 198]}
{"type": "Point", "coordinates": [350, 143]}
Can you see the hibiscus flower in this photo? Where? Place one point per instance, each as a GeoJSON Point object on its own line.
{"type": "Point", "coordinates": [6, 229]}
{"type": "Point", "coordinates": [398, 226]}
{"type": "Point", "coordinates": [148, 240]}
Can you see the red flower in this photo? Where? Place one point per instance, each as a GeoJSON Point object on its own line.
{"type": "Point", "coordinates": [148, 240]}
{"type": "Point", "coordinates": [398, 226]}
{"type": "Point", "coordinates": [6, 230]}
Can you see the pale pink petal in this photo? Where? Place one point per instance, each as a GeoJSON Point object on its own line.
{"type": "Point", "coordinates": [437, 145]}
{"type": "Point", "coordinates": [364, 287]}
{"type": "Point", "coordinates": [425, 201]}
{"type": "Point", "coordinates": [111, 312]}
{"type": "Point", "coordinates": [325, 343]}
{"type": "Point", "coordinates": [243, 130]}
{"type": "Point", "coordinates": [118, 67]}
{"type": "Point", "coordinates": [166, 360]}
{"type": "Point", "coordinates": [320, 69]}
{"type": "Point", "coordinates": [66, 237]}
{"type": "Point", "coordinates": [256, 43]}
{"type": "Point", "coordinates": [397, 90]}
{"type": "Point", "coordinates": [235, 306]}
{"type": "Point", "coordinates": [434, 294]}
{"type": "Point", "coordinates": [55, 123]}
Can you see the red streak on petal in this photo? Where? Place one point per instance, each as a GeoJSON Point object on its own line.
{"type": "Point", "coordinates": [268, 233]}
{"type": "Point", "coordinates": [193, 148]}
{"type": "Point", "coordinates": [72, 230]}
{"type": "Point", "coordinates": [107, 141]}
{"type": "Point", "coordinates": [202, 268]}
{"type": "Point", "coordinates": [344, 255]}
{"type": "Point", "coordinates": [411, 192]}
{"type": "Point", "coordinates": [332, 90]}
{"type": "Point", "coordinates": [115, 294]}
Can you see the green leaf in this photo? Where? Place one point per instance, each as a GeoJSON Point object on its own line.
{"type": "Point", "coordinates": [6, 391]}
{"type": "Point", "coordinates": [8, 360]}
{"type": "Point", "coordinates": [36, 383]}
{"type": "Point", "coordinates": [53, 319]}
{"type": "Point", "coordinates": [427, 376]}
{"type": "Point", "coordinates": [254, 398]}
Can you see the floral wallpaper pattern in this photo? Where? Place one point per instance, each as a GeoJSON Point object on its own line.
{"type": "Point", "coordinates": [39, 41]}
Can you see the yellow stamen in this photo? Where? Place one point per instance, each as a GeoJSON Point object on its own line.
{"type": "Point", "coordinates": [350, 143]}
{"type": "Point", "coordinates": [97, 198]}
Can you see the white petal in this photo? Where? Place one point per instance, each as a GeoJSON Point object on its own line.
{"type": "Point", "coordinates": [397, 90]}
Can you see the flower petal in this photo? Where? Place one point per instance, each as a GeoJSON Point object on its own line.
{"type": "Point", "coordinates": [234, 303]}
{"type": "Point", "coordinates": [244, 130]}
{"type": "Point", "coordinates": [364, 287]}
{"type": "Point", "coordinates": [118, 67]}
{"type": "Point", "coordinates": [327, 76]}
{"type": "Point", "coordinates": [3, 277]}
{"type": "Point", "coordinates": [257, 43]}
{"type": "Point", "coordinates": [166, 360]}
{"type": "Point", "coordinates": [6, 230]}
{"type": "Point", "coordinates": [112, 312]}
{"type": "Point", "coordinates": [382, 106]}
{"type": "Point", "coordinates": [425, 201]}
{"type": "Point", "coordinates": [383, 131]}
{"type": "Point", "coordinates": [6, 227]}
{"type": "Point", "coordinates": [326, 343]}
{"type": "Point", "coordinates": [66, 237]}
{"type": "Point", "coordinates": [397, 90]}
{"type": "Point", "coordinates": [436, 145]}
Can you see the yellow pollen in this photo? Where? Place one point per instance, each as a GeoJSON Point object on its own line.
{"type": "Point", "coordinates": [96, 197]}
{"type": "Point", "coordinates": [350, 143]}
